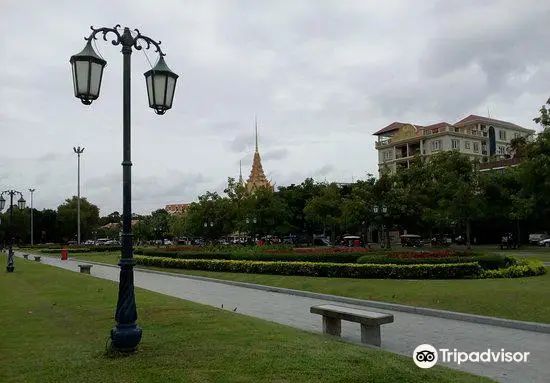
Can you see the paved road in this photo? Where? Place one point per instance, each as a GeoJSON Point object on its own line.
{"type": "Point", "coordinates": [402, 336]}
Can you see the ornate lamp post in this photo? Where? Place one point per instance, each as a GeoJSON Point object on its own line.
{"type": "Point", "coordinates": [254, 221]}
{"type": "Point", "coordinates": [87, 69]}
{"type": "Point", "coordinates": [208, 233]}
{"type": "Point", "coordinates": [383, 210]}
{"type": "Point", "coordinates": [21, 205]}
{"type": "Point", "coordinates": [78, 151]}
{"type": "Point", "coordinates": [32, 217]}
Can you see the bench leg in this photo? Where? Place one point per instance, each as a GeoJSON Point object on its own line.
{"type": "Point", "coordinates": [370, 335]}
{"type": "Point", "coordinates": [332, 326]}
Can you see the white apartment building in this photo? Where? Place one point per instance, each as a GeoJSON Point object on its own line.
{"type": "Point", "coordinates": [479, 137]}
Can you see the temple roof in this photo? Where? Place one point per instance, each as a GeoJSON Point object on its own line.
{"type": "Point", "coordinates": [257, 178]}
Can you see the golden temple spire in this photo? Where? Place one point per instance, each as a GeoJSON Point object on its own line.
{"type": "Point", "coordinates": [256, 131]}
{"type": "Point", "coordinates": [257, 178]}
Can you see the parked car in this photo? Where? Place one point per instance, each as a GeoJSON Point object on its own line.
{"type": "Point", "coordinates": [411, 240]}
{"type": "Point", "coordinates": [535, 239]}
{"type": "Point", "coordinates": [545, 242]}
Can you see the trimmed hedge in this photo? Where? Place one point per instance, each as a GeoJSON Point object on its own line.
{"type": "Point", "coordinates": [487, 262]}
{"type": "Point", "coordinates": [288, 257]}
{"type": "Point", "coordinates": [523, 268]}
{"type": "Point", "coordinates": [319, 269]}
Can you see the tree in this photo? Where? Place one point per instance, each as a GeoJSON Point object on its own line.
{"type": "Point", "coordinates": [544, 117]}
{"type": "Point", "coordinates": [295, 198]}
{"type": "Point", "coordinates": [67, 218]}
{"type": "Point", "coordinates": [159, 223]}
{"type": "Point", "coordinates": [177, 225]}
{"type": "Point", "coordinates": [270, 211]}
{"type": "Point", "coordinates": [458, 189]}
{"type": "Point", "coordinates": [325, 209]}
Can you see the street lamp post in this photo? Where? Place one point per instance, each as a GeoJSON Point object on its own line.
{"type": "Point", "coordinates": [383, 210]}
{"type": "Point", "coordinates": [252, 220]}
{"type": "Point", "coordinates": [21, 205]}
{"type": "Point", "coordinates": [32, 217]}
{"type": "Point", "coordinates": [87, 70]}
{"type": "Point", "coordinates": [208, 233]}
{"type": "Point", "coordinates": [78, 151]}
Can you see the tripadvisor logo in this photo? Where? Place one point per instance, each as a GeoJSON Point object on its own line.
{"type": "Point", "coordinates": [426, 356]}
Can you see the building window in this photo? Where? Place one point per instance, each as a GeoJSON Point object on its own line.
{"type": "Point", "coordinates": [482, 127]}
{"type": "Point", "coordinates": [387, 155]}
{"type": "Point", "coordinates": [501, 150]}
{"type": "Point", "coordinates": [436, 145]}
{"type": "Point", "coordinates": [455, 144]}
{"type": "Point", "coordinates": [476, 147]}
{"type": "Point", "coordinates": [502, 134]}
{"type": "Point", "coordinates": [467, 145]}
{"type": "Point", "coordinates": [517, 135]}
{"type": "Point", "coordinates": [457, 130]}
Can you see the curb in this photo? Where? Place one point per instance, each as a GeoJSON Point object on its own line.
{"type": "Point", "coordinates": [480, 319]}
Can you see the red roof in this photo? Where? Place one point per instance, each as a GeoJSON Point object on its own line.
{"type": "Point", "coordinates": [390, 128]}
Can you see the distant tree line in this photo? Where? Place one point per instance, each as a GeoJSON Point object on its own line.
{"type": "Point", "coordinates": [446, 194]}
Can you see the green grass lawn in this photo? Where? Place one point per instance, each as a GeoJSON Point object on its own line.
{"type": "Point", "coordinates": [55, 325]}
{"type": "Point", "coordinates": [520, 299]}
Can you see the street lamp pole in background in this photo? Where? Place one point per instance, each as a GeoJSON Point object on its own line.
{"type": "Point", "coordinates": [32, 217]}
{"type": "Point", "coordinates": [385, 235]}
{"type": "Point", "coordinates": [78, 150]}
{"type": "Point", "coordinates": [21, 205]}
{"type": "Point", "coordinates": [87, 69]}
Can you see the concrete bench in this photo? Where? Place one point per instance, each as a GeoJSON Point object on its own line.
{"type": "Point", "coordinates": [26, 256]}
{"type": "Point", "coordinates": [370, 321]}
{"type": "Point", "coordinates": [37, 258]}
{"type": "Point", "coordinates": [85, 269]}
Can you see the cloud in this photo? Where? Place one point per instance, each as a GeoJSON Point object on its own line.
{"type": "Point", "coordinates": [321, 77]}
{"type": "Point", "coordinates": [275, 154]}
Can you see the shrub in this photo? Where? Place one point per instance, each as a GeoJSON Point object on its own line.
{"type": "Point", "coordinates": [288, 257]}
{"type": "Point", "coordinates": [521, 268]}
{"type": "Point", "coordinates": [487, 262]}
{"type": "Point", "coordinates": [318, 269]}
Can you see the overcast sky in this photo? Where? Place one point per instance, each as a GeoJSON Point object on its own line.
{"type": "Point", "coordinates": [322, 76]}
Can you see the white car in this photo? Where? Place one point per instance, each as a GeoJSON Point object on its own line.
{"type": "Point", "coordinates": [545, 242]}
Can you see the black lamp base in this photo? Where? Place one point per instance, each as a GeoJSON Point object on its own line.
{"type": "Point", "coordinates": [125, 337]}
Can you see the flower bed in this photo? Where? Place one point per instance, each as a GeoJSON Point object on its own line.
{"type": "Point", "coordinates": [318, 250]}
{"type": "Point", "coordinates": [258, 256]}
{"type": "Point", "coordinates": [318, 269]}
{"type": "Point", "coordinates": [428, 254]}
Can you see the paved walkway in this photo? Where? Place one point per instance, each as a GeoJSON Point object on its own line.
{"type": "Point", "coordinates": [402, 336]}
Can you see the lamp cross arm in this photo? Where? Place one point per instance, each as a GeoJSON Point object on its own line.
{"type": "Point", "coordinates": [105, 31]}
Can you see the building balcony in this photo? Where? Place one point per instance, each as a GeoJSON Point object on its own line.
{"type": "Point", "coordinates": [499, 163]}
{"type": "Point", "coordinates": [378, 144]}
